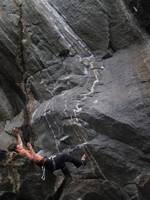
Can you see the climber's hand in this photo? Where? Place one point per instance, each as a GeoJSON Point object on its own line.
{"type": "Point", "coordinates": [16, 132]}
{"type": "Point", "coordinates": [29, 145]}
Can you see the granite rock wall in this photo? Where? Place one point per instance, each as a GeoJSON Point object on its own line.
{"type": "Point", "coordinates": [78, 72]}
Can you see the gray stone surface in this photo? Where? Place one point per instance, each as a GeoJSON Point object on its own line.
{"type": "Point", "coordinates": [86, 101]}
{"type": "Point", "coordinates": [101, 191]}
{"type": "Point", "coordinates": [99, 23]}
{"type": "Point", "coordinates": [140, 9]}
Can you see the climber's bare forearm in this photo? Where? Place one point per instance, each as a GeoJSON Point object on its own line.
{"type": "Point", "coordinates": [19, 140]}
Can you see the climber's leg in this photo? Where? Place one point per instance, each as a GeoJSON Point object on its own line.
{"type": "Point", "coordinates": [66, 171]}
{"type": "Point", "coordinates": [60, 160]}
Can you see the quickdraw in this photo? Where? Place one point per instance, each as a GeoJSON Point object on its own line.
{"type": "Point", "coordinates": [43, 173]}
{"type": "Point", "coordinates": [43, 167]}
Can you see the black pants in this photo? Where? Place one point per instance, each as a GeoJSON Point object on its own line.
{"type": "Point", "coordinates": [60, 160]}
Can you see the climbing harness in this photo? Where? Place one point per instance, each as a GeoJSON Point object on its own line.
{"type": "Point", "coordinates": [53, 161]}
{"type": "Point", "coordinates": [43, 166]}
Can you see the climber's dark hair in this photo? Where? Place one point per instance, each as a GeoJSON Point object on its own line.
{"type": "Point", "coordinates": [12, 147]}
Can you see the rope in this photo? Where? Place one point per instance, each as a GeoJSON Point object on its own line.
{"type": "Point", "coordinates": [86, 149]}
{"type": "Point", "coordinates": [43, 177]}
{"type": "Point", "coordinates": [76, 131]}
{"type": "Point", "coordinates": [55, 139]}
{"type": "Point", "coordinates": [77, 110]}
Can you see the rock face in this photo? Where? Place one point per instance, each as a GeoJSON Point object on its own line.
{"type": "Point", "coordinates": [140, 9]}
{"type": "Point", "coordinates": [98, 23]}
{"type": "Point", "coordinates": [80, 70]}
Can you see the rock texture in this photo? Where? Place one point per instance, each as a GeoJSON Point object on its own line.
{"type": "Point", "coordinates": [141, 10]}
{"type": "Point", "coordinates": [79, 71]}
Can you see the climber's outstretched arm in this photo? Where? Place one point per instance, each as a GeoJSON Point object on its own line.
{"type": "Point", "coordinates": [16, 132]}
{"type": "Point", "coordinates": [19, 140]}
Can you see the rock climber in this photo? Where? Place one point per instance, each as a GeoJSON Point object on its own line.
{"type": "Point", "coordinates": [51, 164]}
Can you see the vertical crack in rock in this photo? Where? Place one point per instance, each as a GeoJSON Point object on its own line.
{"type": "Point", "coordinates": [20, 47]}
{"type": "Point", "coordinates": [21, 61]}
